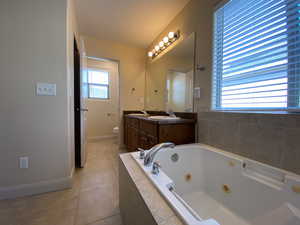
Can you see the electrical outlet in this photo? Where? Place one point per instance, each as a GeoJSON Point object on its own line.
{"type": "Point", "coordinates": [45, 89]}
{"type": "Point", "coordinates": [24, 162]}
{"type": "Point", "coordinates": [197, 92]}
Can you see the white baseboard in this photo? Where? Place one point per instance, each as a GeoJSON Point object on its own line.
{"type": "Point", "coordinates": [36, 188]}
{"type": "Point", "coordinates": [98, 138]}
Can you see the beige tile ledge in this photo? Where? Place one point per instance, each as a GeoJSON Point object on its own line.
{"type": "Point", "coordinates": [157, 205]}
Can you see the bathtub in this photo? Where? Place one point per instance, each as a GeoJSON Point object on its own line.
{"type": "Point", "coordinates": [207, 186]}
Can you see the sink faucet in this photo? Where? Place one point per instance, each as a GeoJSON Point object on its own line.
{"type": "Point", "coordinates": [152, 152]}
{"type": "Point", "coordinates": [171, 113]}
{"type": "Point", "coordinates": [145, 112]}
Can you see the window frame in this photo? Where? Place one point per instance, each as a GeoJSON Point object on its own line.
{"type": "Point", "coordinates": [99, 85]}
{"type": "Point", "coordinates": [216, 90]}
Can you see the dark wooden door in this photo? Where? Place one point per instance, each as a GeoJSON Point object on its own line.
{"type": "Point", "coordinates": [77, 106]}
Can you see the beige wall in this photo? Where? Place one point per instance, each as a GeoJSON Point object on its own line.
{"type": "Point", "coordinates": [103, 115]}
{"type": "Point", "coordinates": [131, 67]}
{"type": "Point", "coordinates": [197, 17]}
{"type": "Point", "coordinates": [33, 45]}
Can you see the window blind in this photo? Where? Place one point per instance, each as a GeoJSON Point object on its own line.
{"type": "Point", "coordinates": [257, 55]}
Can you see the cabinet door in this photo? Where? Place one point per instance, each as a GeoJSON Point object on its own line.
{"type": "Point", "coordinates": [125, 131]}
{"type": "Point", "coordinates": [143, 140]}
{"type": "Point", "coordinates": [149, 128]}
{"type": "Point", "coordinates": [152, 141]}
{"type": "Point", "coordinates": [147, 141]}
{"type": "Point", "coordinates": [132, 138]}
{"type": "Point", "coordinates": [177, 133]}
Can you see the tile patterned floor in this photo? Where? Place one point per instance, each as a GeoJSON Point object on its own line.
{"type": "Point", "coordinates": [93, 200]}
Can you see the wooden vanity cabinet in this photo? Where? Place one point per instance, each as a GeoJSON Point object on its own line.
{"type": "Point", "coordinates": [143, 133]}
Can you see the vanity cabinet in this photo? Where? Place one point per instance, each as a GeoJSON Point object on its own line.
{"type": "Point", "coordinates": [141, 132]}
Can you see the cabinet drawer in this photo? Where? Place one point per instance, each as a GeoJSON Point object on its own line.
{"type": "Point", "coordinates": [148, 128]}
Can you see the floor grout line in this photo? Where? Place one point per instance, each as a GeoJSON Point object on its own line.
{"type": "Point", "coordinates": [105, 218]}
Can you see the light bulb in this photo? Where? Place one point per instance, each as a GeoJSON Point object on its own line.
{"type": "Point", "coordinates": [156, 48]}
{"type": "Point", "coordinates": [161, 44]}
{"type": "Point", "coordinates": [150, 54]}
{"type": "Point", "coordinates": [166, 40]}
{"type": "Point", "coordinates": [171, 35]}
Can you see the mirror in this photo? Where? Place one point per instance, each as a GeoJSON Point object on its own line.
{"type": "Point", "coordinates": [170, 79]}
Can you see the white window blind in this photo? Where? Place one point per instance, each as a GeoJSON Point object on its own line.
{"type": "Point", "coordinates": [257, 55]}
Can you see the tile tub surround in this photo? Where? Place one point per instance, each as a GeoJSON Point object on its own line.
{"type": "Point", "coordinates": [273, 139]}
{"type": "Point", "coordinates": [140, 202]}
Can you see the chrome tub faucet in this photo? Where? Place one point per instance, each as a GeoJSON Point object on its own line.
{"type": "Point", "coordinates": [149, 157]}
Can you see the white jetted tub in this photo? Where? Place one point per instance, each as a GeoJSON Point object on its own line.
{"type": "Point", "coordinates": [207, 186]}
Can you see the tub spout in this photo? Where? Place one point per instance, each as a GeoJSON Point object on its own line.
{"type": "Point", "coordinates": [152, 152]}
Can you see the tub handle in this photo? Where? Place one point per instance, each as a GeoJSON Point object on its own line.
{"type": "Point", "coordinates": [142, 153]}
{"type": "Point", "coordinates": [155, 168]}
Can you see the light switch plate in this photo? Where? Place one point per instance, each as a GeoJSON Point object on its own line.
{"type": "Point", "coordinates": [45, 89]}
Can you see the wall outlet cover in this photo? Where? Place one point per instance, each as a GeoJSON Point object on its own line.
{"type": "Point", "coordinates": [197, 92]}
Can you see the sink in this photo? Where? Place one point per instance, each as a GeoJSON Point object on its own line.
{"type": "Point", "coordinates": [138, 114]}
{"type": "Point", "coordinates": [163, 118]}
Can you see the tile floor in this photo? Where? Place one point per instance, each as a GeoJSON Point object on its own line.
{"type": "Point", "coordinates": [93, 200]}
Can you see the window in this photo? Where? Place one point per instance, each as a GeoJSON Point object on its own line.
{"type": "Point", "coordinates": [257, 55]}
{"type": "Point", "coordinates": [98, 84]}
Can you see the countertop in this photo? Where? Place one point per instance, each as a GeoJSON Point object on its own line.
{"type": "Point", "coordinates": [159, 121]}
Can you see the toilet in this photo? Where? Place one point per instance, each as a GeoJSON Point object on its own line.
{"type": "Point", "coordinates": [116, 130]}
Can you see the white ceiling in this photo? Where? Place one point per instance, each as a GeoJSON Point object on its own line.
{"type": "Point", "coordinates": [136, 22]}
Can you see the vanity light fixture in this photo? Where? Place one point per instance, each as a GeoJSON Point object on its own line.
{"type": "Point", "coordinates": [166, 42]}
{"type": "Point", "coordinates": [171, 35]}
{"type": "Point", "coordinates": [150, 54]}
{"type": "Point", "coordinates": [161, 44]}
